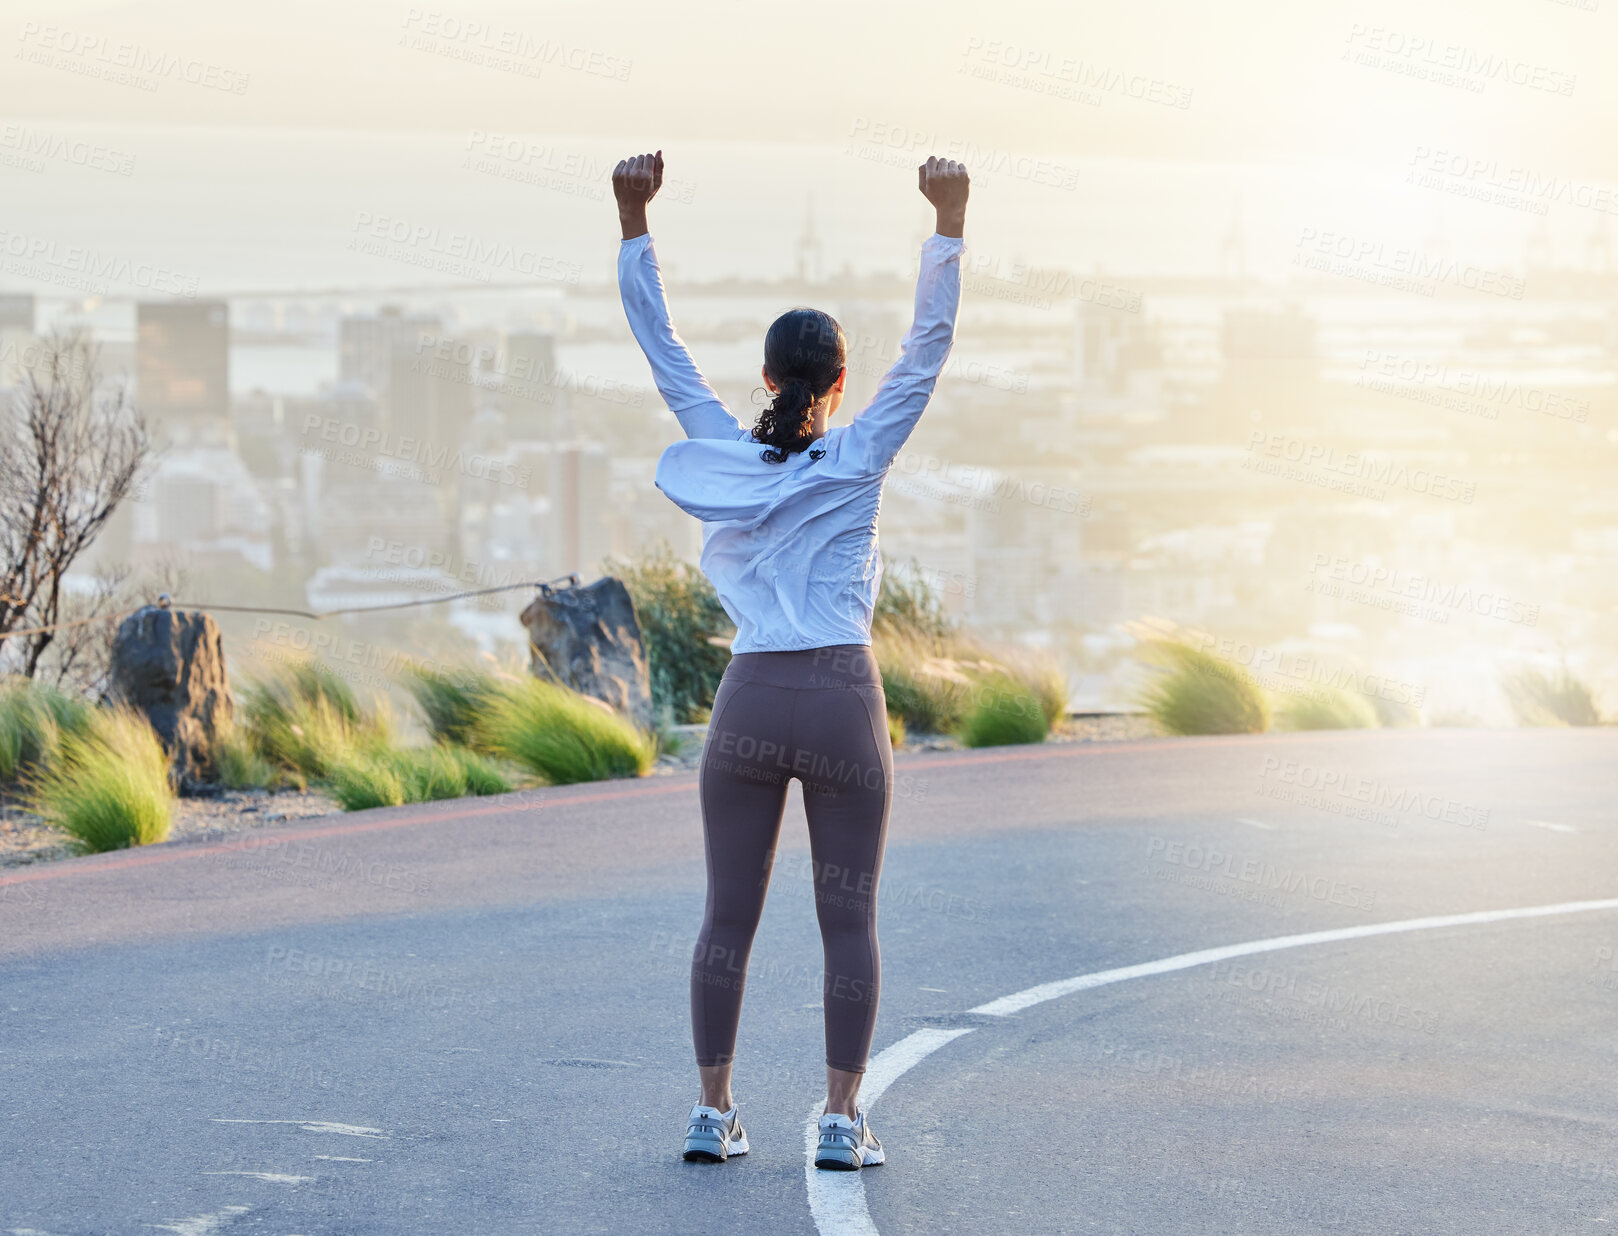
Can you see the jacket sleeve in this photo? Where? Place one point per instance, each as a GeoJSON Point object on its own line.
{"type": "Point", "coordinates": [699, 410]}
{"type": "Point", "coordinates": [875, 436]}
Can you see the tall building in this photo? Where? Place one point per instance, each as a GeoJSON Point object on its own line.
{"type": "Point", "coordinates": [529, 397]}
{"type": "Point", "coordinates": [182, 361]}
{"type": "Point", "coordinates": [579, 489]}
{"type": "Point", "coordinates": [367, 345]}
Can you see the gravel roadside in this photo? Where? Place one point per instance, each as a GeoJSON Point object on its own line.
{"type": "Point", "coordinates": [25, 838]}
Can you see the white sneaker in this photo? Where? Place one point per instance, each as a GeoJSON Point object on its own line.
{"type": "Point", "coordinates": [713, 1136]}
{"type": "Point", "coordinates": [847, 1145]}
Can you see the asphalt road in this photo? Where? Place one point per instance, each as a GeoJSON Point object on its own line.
{"type": "Point", "coordinates": [472, 1017]}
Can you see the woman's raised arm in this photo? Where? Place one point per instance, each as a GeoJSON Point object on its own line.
{"type": "Point", "coordinates": [701, 413]}
{"type": "Point", "coordinates": [875, 436]}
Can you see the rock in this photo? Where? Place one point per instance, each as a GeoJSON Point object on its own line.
{"type": "Point", "coordinates": [589, 639]}
{"type": "Point", "coordinates": [170, 664]}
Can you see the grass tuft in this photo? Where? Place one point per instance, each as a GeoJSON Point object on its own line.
{"type": "Point", "coordinates": [303, 717]}
{"type": "Point", "coordinates": [1004, 711]}
{"type": "Point", "coordinates": [1196, 692]}
{"type": "Point", "coordinates": [237, 761]}
{"type": "Point", "coordinates": [1538, 698]}
{"type": "Point", "coordinates": [561, 735]}
{"type": "Point", "coordinates": [686, 630]}
{"type": "Point", "coordinates": [107, 786]}
{"type": "Point", "coordinates": [451, 702]}
{"type": "Point", "coordinates": [33, 719]}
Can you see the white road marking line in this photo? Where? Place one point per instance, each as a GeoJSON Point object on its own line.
{"type": "Point", "coordinates": [837, 1199]}
{"type": "Point", "coordinates": [272, 1177]}
{"type": "Point", "coordinates": [1241, 819]}
{"type": "Point", "coordinates": [202, 1225]}
{"type": "Point", "coordinates": [338, 1158]}
{"type": "Point", "coordinates": [313, 1126]}
{"type": "Point", "coordinates": [1555, 828]}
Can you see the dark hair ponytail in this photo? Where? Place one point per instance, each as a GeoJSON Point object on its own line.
{"type": "Point", "coordinates": [804, 352]}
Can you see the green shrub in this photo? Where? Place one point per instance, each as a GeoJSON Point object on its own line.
{"type": "Point", "coordinates": [1041, 676]}
{"type": "Point", "coordinates": [33, 719]}
{"type": "Point", "coordinates": [1395, 714]}
{"type": "Point", "coordinates": [1325, 708]}
{"type": "Point", "coordinates": [390, 777]}
{"type": "Point", "coordinates": [907, 606]}
{"type": "Point", "coordinates": [237, 762]}
{"type": "Point", "coordinates": [680, 620]}
{"type": "Point", "coordinates": [1538, 698]}
{"type": "Point", "coordinates": [896, 731]}
{"type": "Point", "coordinates": [924, 690]}
{"type": "Point", "coordinates": [1003, 711]}
{"type": "Point", "coordinates": [303, 716]}
{"type": "Point", "coordinates": [451, 702]}
{"type": "Point", "coordinates": [561, 735]}
{"type": "Point", "coordinates": [108, 785]}
{"type": "Point", "coordinates": [1196, 692]}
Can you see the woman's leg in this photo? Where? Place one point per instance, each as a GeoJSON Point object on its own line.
{"type": "Point", "coordinates": [744, 794]}
{"type": "Point", "coordinates": [847, 789]}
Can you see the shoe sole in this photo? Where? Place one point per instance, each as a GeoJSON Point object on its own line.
{"type": "Point", "coordinates": [832, 1163]}
{"type": "Point", "coordinates": [713, 1152]}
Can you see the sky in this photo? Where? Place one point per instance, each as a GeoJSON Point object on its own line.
{"type": "Point", "coordinates": [1243, 80]}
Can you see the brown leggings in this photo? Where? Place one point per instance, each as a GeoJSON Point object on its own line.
{"type": "Point", "coordinates": [818, 715]}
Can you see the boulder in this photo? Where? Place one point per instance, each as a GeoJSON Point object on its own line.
{"type": "Point", "coordinates": [590, 639]}
{"type": "Point", "coordinates": [170, 664]}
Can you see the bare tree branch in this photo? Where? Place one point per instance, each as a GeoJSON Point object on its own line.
{"type": "Point", "coordinates": [70, 452]}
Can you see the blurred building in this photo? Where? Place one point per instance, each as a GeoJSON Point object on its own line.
{"type": "Point", "coordinates": [182, 356]}
{"type": "Point", "coordinates": [17, 312]}
{"type": "Point", "coordinates": [529, 397]}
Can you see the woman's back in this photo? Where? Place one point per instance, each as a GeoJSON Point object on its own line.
{"type": "Point", "coordinates": [791, 546]}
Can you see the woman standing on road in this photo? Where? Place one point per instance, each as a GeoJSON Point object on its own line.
{"type": "Point", "coordinates": [789, 512]}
